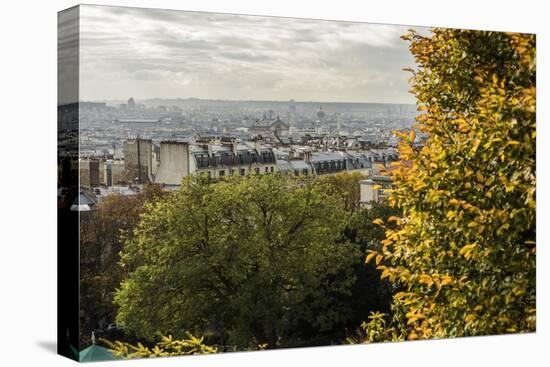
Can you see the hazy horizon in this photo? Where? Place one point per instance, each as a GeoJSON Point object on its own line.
{"type": "Point", "coordinates": [136, 100]}
{"type": "Point", "coordinates": [169, 54]}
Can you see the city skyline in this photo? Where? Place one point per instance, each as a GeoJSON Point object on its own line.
{"type": "Point", "coordinates": [150, 53]}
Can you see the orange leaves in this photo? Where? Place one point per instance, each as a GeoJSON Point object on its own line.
{"type": "Point", "coordinates": [395, 219]}
{"type": "Point", "coordinates": [446, 280]}
{"type": "Point", "coordinates": [426, 280]}
{"type": "Point", "coordinates": [412, 135]}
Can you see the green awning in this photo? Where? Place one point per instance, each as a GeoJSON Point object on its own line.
{"type": "Point", "coordinates": [96, 353]}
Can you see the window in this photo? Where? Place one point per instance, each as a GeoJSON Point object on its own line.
{"type": "Point", "coordinates": [305, 171]}
{"type": "Point", "coordinates": [266, 169]}
{"type": "Point", "coordinates": [242, 171]}
{"type": "Point", "coordinates": [257, 170]}
{"type": "Point", "coordinates": [221, 173]}
{"type": "Point", "coordinates": [232, 172]}
{"type": "Point", "coordinates": [296, 172]}
{"type": "Point", "coordinates": [271, 169]}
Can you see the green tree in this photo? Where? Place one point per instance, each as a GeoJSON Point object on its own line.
{"type": "Point", "coordinates": [346, 186]}
{"type": "Point", "coordinates": [464, 251]}
{"type": "Point", "coordinates": [251, 260]}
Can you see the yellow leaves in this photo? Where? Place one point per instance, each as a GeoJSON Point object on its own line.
{"type": "Point", "coordinates": [419, 186]}
{"type": "Point", "coordinates": [456, 200]}
{"type": "Point", "coordinates": [412, 317]}
{"type": "Point", "coordinates": [426, 279]}
{"type": "Point", "coordinates": [378, 221]}
{"type": "Point", "coordinates": [479, 177]}
{"type": "Point", "coordinates": [412, 135]}
{"type": "Point", "coordinates": [470, 318]}
{"type": "Point", "coordinates": [464, 127]}
{"type": "Point", "coordinates": [445, 280]}
{"type": "Point", "coordinates": [376, 187]}
{"type": "Point", "coordinates": [466, 250]}
{"type": "Point", "coordinates": [400, 295]}
{"type": "Point", "coordinates": [378, 259]}
{"type": "Point", "coordinates": [370, 256]}
{"type": "Point", "coordinates": [475, 145]}
{"type": "Point", "coordinates": [386, 272]}
{"type": "Point", "coordinates": [395, 219]}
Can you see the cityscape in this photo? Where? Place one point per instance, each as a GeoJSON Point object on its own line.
{"type": "Point", "coordinates": [239, 183]}
{"type": "Point", "coordinates": [126, 145]}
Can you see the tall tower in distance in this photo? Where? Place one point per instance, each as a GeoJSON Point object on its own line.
{"type": "Point", "coordinates": [320, 114]}
{"type": "Point", "coordinates": [131, 103]}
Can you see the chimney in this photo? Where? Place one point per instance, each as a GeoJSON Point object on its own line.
{"type": "Point", "coordinates": [209, 147]}
{"type": "Point", "coordinates": [307, 156]}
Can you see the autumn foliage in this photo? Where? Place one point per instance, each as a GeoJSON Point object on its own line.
{"type": "Point", "coordinates": [464, 250]}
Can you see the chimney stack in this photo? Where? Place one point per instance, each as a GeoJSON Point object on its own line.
{"type": "Point", "coordinates": [307, 156]}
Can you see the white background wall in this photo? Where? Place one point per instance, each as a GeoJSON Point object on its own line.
{"type": "Point", "coordinates": [28, 186]}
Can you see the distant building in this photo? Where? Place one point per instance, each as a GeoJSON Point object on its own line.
{"type": "Point", "coordinates": [137, 121]}
{"type": "Point", "coordinates": [214, 158]}
{"type": "Point", "coordinates": [374, 190]}
{"type": "Point", "coordinates": [328, 162]}
{"type": "Point", "coordinates": [131, 103]}
{"type": "Point", "coordinates": [269, 127]}
{"type": "Point", "coordinates": [320, 114]}
{"type": "Point", "coordinates": [174, 162]}
{"type": "Point", "coordinates": [112, 172]}
{"type": "Point", "coordinates": [368, 140]}
{"type": "Point", "coordinates": [352, 144]}
{"type": "Point", "coordinates": [138, 160]}
{"type": "Point", "coordinates": [292, 107]}
{"type": "Point", "coordinates": [89, 172]}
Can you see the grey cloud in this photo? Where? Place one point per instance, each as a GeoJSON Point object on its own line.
{"type": "Point", "coordinates": [192, 54]}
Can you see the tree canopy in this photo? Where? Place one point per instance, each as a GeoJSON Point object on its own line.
{"type": "Point", "coordinates": [250, 260]}
{"type": "Point", "coordinates": [464, 249]}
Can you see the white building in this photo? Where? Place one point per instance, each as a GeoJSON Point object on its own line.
{"type": "Point", "coordinates": [374, 189]}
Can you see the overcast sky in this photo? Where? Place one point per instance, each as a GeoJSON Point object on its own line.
{"type": "Point", "coordinates": [147, 53]}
